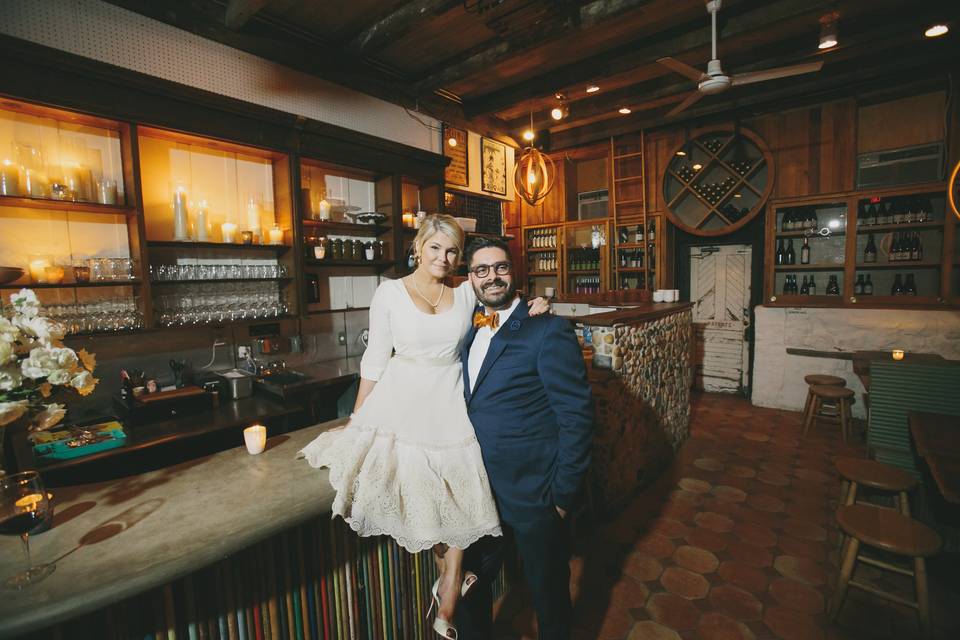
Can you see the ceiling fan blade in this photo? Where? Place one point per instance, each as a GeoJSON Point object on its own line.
{"type": "Point", "coordinates": [772, 74]}
{"type": "Point", "coordinates": [682, 68]}
{"type": "Point", "coordinates": [689, 100]}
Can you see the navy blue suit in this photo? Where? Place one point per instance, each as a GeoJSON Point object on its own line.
{"type": "Point", "coordinates": [532, 412]}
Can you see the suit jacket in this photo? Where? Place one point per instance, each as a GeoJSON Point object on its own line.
{"type": "Point", "coordinates": [532, 412]}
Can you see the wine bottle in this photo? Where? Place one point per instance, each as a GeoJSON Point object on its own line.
{"type": "Point", "coordinates": [915, 247]}
{"type": "Point", "coordinates": [833, 288]}
{"type": "Point", "coordinates": [868, 286]}
{"type": "Point", "coordinates": [805, 252]}
{"type": "Point", "coordinates": [780, 254]}
{"type": "Point", "coordinates": [858, 285]}
{"type": "Point", "coordinates": [652, 231]}
{"type": "Point", "coordinates": [790, 257]}
{"type": "Point", "coordinates": [897, 288]}
{"type": "Point", "coordinates": [894, 255]}
{"type": "Point", "coordinates": [812, 287]}
{"type": "Point", "coordinates": [919, 248]}
{"type": "Point", "coordinates": [870, 251]}
{"type": "Point", "coordinates": [910, 287]}
{"type": "Point", "coordinates": [805, 287]}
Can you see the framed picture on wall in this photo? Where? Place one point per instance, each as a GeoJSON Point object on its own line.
{"type": "Point", "coordinates": [493, 168]}
{"type": "Point", "coordinates": [457, 171]}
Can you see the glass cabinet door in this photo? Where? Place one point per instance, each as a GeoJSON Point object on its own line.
{"type": "Point", "coordinates": [808, 253]}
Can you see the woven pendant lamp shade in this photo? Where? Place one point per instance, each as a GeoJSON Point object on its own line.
{"type": "Point", "coordinates": [533, 176]}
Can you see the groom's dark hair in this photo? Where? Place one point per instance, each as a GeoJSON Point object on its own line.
{"type": "Point", "coordinates": [484, 242]}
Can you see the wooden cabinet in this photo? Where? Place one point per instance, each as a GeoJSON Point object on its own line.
{"type": "Point", "coordinates": [881, 248]}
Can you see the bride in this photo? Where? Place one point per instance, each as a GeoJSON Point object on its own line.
{"type": "Point", "coordinates": [408, 464]}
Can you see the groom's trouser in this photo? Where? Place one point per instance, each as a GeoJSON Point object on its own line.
{"type": "Point", "coordinates": [543, 546]}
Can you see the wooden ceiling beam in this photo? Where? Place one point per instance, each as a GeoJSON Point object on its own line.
{"type": "Point", "coordinates": [647, 50]}
{"type": "Point", "coordinates": [398, 24]}
{"type": "Point", "coordinates": [854, 78]}
{"type": "Point", "coordinates": [589, 16]}
{"type": "Point", "coordinates": [239, 12]}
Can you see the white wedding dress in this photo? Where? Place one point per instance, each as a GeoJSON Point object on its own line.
{"type": "Point", "coordinates": [408, 464]}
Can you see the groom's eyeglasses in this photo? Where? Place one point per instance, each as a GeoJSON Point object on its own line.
{"type": "Point", "coordinates": [483, 270]}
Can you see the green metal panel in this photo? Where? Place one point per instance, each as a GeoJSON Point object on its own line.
{"type": "Point", "coordinates": [897, 388]}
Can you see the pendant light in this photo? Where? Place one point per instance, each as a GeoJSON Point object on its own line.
{"type": "Point", "coordinates": [533, 174]}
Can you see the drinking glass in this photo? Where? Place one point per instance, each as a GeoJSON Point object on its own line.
{"type": "Point", "coordinates": [24, 507]}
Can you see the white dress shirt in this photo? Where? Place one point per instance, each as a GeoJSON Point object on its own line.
{"type": "Point", "coordinates": [481, 343]}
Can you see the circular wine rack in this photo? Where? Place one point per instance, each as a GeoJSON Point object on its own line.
{"type": "Point", "coordinates": [717, 181]}
{"type": "Point", "coordinates": [953, 190]}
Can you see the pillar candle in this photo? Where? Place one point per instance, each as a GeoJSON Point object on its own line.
{"type": "Point", "coordinates": [38, 268]}
{"type": "Point", "coordinates": [324, 209]}
{"type": "Point", "coordinates": [9, 179]}
{"type": "Point", "coordinates": [180, 229]}
{"type": "Point", "coordinates": [276, 235]}
{"type": "Point", "coordinates": [228, 229]}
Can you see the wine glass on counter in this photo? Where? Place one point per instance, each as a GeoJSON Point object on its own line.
{"type": "Point", "coordinates": [24, 507]}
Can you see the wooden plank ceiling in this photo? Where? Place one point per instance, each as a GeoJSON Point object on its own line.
{"type": "Point", "coordinates": [491, 65]}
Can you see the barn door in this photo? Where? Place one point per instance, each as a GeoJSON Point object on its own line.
{"type": "Point", "coordinates": [720, 291]}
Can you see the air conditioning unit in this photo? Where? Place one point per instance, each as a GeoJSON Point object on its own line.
{"type": "Point", "coordinates": [908, 165]}
{"type": "Point", "coordinates": [592, 204]}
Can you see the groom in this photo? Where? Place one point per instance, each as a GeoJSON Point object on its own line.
{"type": "Point", "coordinates": [528, 398]}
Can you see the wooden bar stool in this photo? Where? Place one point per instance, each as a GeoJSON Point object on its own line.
{"type": "Point", "coordinates": [876, 475]}
{"type": "Point", "coordinates": [890, 531]}
{"type": "Point", "coordinates": [819, 378]}
{"type": "Point", "coordinates": [841, 395]}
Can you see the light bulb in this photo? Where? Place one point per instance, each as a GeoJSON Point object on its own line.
{"type": "Point", "coordinates": [531, 177]}
{"type": "Point", "coordinates": [452, 141]}
{"type": "Point", "coordinates": [624, 110]}
{"type": "Point", "coordinates": [593, 88]}
{"type": "Point", "coordinates": [556, 113]}
{"type": "Point", "coordinates": [936, 30]}
{"type": "Point", "coordinates": [528, 135]}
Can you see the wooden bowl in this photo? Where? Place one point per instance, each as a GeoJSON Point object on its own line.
{"type": "Point", "coordinates": [9, 274]}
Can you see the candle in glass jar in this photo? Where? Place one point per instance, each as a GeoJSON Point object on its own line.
{"type": "Point", "coordinates": [180, 224]}
{"type": "Point", "coordinates": [408, 220]}
{"type": "Point", "coordinates": [201, 222]}
{"type": "Point", "coordinates": [228, 230]}
{"type": "Point", "coordinates": [276, 235]}
{"type": "Point", "coordinates": [107, 191]}
{"type": "Point", "coordinates": [54, 274]}
{"type": "Point", "coordinates": [898, 354]}
{"type": "Point", "coordinates": [38, 268]}
{"type": "Point", "coordinates": [324, 207]}
{"type": "Point", "coordinates": [253, 217]}
{"type": "Point", "coordinates": [9, 179]}
{"type": "Point", "coordinates": [246, 237]}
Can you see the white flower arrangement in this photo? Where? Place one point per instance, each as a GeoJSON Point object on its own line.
{"type": "Point", "coordinates": [33, 361]}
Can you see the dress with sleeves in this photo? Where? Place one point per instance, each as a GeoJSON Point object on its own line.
{"type": "Point", "coordinates": [408, 464]}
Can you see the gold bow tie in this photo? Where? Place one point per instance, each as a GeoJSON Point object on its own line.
{"type": "Point", "coordinates": [480, 319]}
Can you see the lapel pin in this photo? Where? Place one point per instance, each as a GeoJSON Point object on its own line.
{"type": "Point", "coordinates": [514, 325]}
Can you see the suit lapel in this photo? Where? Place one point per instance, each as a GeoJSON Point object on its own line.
{"type": "Point", "coordinates": [500, 341]}
{"type": "Point", "coordinates": [465, 355]}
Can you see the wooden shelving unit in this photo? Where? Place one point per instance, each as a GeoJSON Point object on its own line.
{"type": "Point", "coordinates": [839, 232]}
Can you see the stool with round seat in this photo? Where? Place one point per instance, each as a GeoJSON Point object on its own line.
{"type": "Point", "coordinates": [895, 533]}
{"type": "Point", "coordinates": [842, 396]}
{"type": "Point", "coordinates": [858, 472]}
{"type": "Point", "coordinates": [819, 378]}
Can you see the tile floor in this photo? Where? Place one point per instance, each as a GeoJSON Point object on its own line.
{"type": "Point", "coordinates": [736, 540]}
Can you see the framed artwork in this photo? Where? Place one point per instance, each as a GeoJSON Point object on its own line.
{"type": "Point", "coordinates": [493, 168]}
{"type": "Point", "coordinates": [456, 172]}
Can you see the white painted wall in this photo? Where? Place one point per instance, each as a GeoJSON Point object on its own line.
{"type": "Point", "coordinates": [778, 376]}
{"type": "Point", "coordinates": [101, 31]}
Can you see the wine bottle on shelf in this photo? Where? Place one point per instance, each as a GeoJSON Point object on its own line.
{"type": "Point", "coordinates": [812, 287]}
{"type": "Point", "coordinates": [868, 286]}
{"type": "Point", "coordinates": [858, 285]}
{"type": "Point", "coordinates": [638, 234]}
{"type": "Point", "coordinates": [897, 288]}
{"type": "Point", "coordinates": [894, 254]}
{"type": "Point", "coordinates": [916, 248]}
{"type": "Point", "coordinates": [870, 251]}
{"type": "Point", "coordinates": [910, 287]}
{"type": "Point", "coordinates": [805, 252]}
{"type": "Point", "coordinates": [861, 214]}
{"type": "Point", "coordinates": [652, 231]}
{"type": "Point", "coordinates": [833, 287]}
{"type": "Point", "coordinates": [790, 257]}
{"type": "Point", "coordinates": [805, 287]}
{"type": "Point", "coordinates": [780, 253]}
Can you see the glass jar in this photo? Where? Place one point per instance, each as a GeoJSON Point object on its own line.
{"type": "Point", "coordinates": [358, 250]}
{"type": "Point", "coordinates": [381, 251]}
{"type": "Point", "coordinates": [368, 251]}
{"type": "Point", "coordinates": [338, 249]}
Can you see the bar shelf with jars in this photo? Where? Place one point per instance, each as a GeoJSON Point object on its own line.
{"type": "Point", "coordinates": [585, 258]}
{"type": "Point", "coordinates": [218, 220]}
{"type": "Point", "coordinates": [66, 228]}
{"type": "Point", "coordinates": [882, 248]}
{"type": "Point", "coordinates": [542, 248]}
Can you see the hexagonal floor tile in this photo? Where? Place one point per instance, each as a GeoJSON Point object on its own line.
{"type": "Point", "coordinates": [716, 522]}
{"type": "Point", "coordinates": [797, 596]}
{"type": "Point", "coordinates": [716, 626]}
{"type": "Point", "coordinates": [696, 559]}
{"type": "Point", "coordinates": [736, 602]}
{"type": "Point", "coordinates": [685, 584]}
{"type": "Point", "coordinates": [673, 611]}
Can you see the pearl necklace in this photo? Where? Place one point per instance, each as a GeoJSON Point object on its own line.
{"type": "Point", "coordinates": [433, 305]}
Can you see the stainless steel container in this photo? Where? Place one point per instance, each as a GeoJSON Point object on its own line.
{"type": "Point", "coordinates": [239, 383]}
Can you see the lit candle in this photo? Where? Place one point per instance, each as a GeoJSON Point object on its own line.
{"type": "Point", "coordinates": [408, 220]}
{"type": "Point", "coordinates": [53, 274]}
{"type": "Point", "coordinates": [9, 179]}
{"type": "Point", "coordinates": [898, 354]}
{"type": "Point", "coordinates": [324, 209]}
{"type": "Point", "coordinates": [180, 224]}
{"type": "Point", "coordinates": [253, 217]}
{"type": "Point", "coordinates": [228, 230]}
{"type": "Point", "coordinates": [38, 268]}
{"type": "Point", "coordinates": [255, 438]}
{"type": "Point", "coordinates": [201, 223]}
{"type": "Point", "coordinates": [276, 235]}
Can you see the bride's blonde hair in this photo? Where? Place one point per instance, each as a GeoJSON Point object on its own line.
{"type": "Point", "coordinates": [439, 223]}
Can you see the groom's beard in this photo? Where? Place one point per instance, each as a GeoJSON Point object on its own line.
{"type": "Point", "coordinates": [498, 300]}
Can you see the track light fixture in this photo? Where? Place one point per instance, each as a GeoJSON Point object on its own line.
{"type": "Point", "coordinates": [560, 111]}
{"type": "Point", "coordinates": [828, 30]}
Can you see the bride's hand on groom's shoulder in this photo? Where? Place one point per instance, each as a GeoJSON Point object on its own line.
{"type": "Point", "coordinates": [538, 305]}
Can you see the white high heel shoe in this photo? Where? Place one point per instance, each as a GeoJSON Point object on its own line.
{"type": "Point", "coordinates": [441, 626]}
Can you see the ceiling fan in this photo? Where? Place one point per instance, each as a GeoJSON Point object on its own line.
{"type": "Point", "coordinates": [716, 81]}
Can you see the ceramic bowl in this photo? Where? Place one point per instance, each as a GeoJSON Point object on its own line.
{"type": "Point", "coordinates": [9, 274]}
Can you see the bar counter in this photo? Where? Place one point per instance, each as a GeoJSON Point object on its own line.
{"type": "Point", "coordinates": [116, 539]}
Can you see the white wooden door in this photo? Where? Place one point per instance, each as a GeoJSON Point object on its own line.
{"type": "Point", "coordinates": [720, 290]}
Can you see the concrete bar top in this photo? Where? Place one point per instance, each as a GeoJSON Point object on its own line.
{"type": "Point", "coordinates": [116, 539]}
